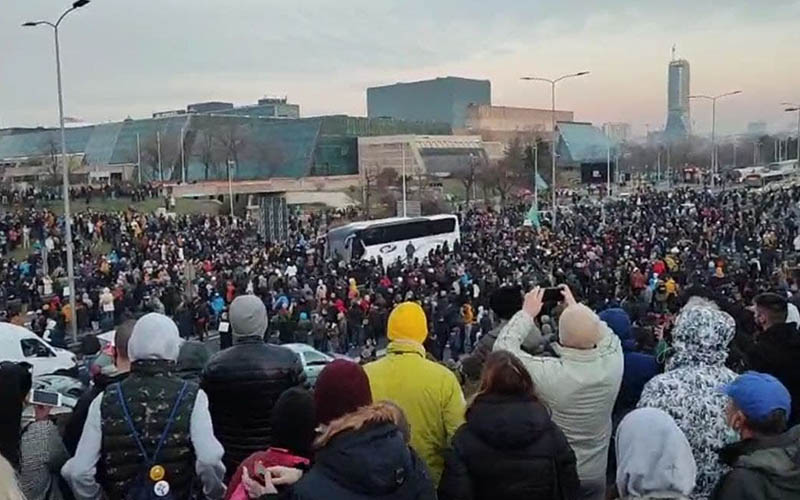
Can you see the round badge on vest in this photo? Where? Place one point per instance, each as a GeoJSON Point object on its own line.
{"type": "Point", "coordinates": [157, 473]}
{"type": "Point", "coordinates": [161, 489]}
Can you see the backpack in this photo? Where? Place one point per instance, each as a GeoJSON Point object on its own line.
{"type": "Point", "coordinates": [150, 483]}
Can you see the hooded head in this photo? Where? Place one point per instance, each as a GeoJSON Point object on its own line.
{"type": "Point", "coordinates": [155, 336]}
{"type": "Point", "coordinates": [248, 316]}
{"type": "Point", "coordinates": [407, 322]}
{"type": "Point", "coordinates": [700, 337]}
{"type": "Point", "coordinates": [653, 456]}
{"type": "Point", "coordinates": [342, 387]}
{"type": "Point", "coordinates": [192, 357]}
{"type": "Point", "coordinates": [620, 323]}
{"type": "Point", "coordinates": [579, 327]}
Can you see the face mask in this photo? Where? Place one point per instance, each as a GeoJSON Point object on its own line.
{"type": "Point", "coordinates": [730, 436]}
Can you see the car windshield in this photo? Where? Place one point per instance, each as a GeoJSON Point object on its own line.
{"type": "Point", "coordinates": [315, 358]}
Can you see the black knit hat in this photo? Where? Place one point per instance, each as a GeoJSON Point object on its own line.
{"type": "Point", "coordinates": [293, 421]}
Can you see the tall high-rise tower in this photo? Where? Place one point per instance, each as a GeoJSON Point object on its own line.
{"type": "Point", "coordinates": [679, 123]}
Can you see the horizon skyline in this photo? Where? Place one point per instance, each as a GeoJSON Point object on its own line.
{"type": "Point", "coordinates": [328, 74]}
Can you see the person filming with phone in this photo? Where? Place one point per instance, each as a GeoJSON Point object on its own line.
{"type": "Point", "coordinates": [580, 384]}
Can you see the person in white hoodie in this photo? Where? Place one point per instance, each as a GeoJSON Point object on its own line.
{"type": "Point", "coordinates": [654, 458]}
{"type": "Point", "coordinates": [129, 422]}
{"type": "Point", "coordinates": [579, 386]}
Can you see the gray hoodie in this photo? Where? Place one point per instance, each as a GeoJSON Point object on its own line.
{"type": "Point", "coordinates": [654, 459]}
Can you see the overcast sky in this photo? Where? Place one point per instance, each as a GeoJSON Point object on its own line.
{"type": "Point", "coordinates": [130, 58]}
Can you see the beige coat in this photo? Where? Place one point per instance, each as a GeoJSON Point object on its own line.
{"type": "Point", "coordinates": [579, 387]}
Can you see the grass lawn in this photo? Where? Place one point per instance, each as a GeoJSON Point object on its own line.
{"type": "Point", "coordinates": [182, 206]}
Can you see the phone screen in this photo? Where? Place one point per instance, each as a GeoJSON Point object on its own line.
{"type": "Point", "coordinates": [45, 398]}
{"type": "Point", "coordinates": [552, 295]}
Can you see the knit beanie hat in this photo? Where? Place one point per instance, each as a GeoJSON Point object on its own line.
{"type": "Point", "coordinates": [342, 387]}
{"type": "Point", "coordinates": [294, 421]}
{"type": "Point", "coordinates": [407, 322]}
{"type": "Point", "coordinates": [578, 327]}
{"type": "Point", "coordinates": [248, 316]}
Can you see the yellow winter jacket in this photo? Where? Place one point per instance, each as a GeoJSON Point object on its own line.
{"type": "Point", "coordinates": [427, 392]}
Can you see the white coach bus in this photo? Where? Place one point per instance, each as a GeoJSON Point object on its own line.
{"type": "Point", "coordinates": [389, 238]}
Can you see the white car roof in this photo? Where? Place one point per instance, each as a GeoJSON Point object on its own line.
{"type": "Point", "coordinates": [303, 348]}
{"type": "Point", "coordinates": [10, 330]}
{"type": "Point", "coordinates": [10, 336]}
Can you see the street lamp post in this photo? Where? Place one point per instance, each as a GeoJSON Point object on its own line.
{"type": "Point", "coordinates": [64, 168]}
{"type": "Point", "coordinates": [536, 175]}
{"type": "Point", "coordinates": [713, 100]}
{"type": "Point", "coordinates": [794, 108]}
{"type": "Point", "coordinates": [553, 125]}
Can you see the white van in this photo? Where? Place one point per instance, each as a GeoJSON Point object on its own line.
{"type": "Point", "coordinates": [20, 344]}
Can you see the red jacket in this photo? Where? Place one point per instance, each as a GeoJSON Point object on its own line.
{"type": "Point", "coordinates": [269, 458]}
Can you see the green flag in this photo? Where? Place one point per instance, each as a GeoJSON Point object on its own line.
{"type": "Point", "coordinates": [533, 216]}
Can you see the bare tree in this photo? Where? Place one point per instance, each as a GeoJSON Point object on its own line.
{"type": "Point", "coordinates": [50, 146]}
{"type": "Point", "coordinates": [468, 176]}
{"type": "Point", "coordinates": [377, 180]}
{"type": "Point", "coordinates": [150, 156]}
{"type": "Point", "coordinates": [209, 152]}
{"type": "Point", "coordinates": [268, 154]}
{"type": "Point", "coordinates": [232, 140]}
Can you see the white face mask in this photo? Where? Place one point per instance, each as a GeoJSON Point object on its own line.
{"type": "Point", "coordinates": [731, 436]}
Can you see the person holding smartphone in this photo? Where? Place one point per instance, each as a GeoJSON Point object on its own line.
{"type": "Point", "coordinates": [579, 384]}
{"type": "Point", "coordinates": [42, 453]}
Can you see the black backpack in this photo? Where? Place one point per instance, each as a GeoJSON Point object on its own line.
{"type": "Point", "coordinates": [150, 483]}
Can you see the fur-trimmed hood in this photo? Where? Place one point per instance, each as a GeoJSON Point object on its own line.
{"type": "Point", "coordinates": [365, 454]}
{"type": "Point", "coordinates": [378, 413]}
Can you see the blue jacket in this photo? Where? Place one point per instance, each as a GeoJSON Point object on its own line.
{"type": "Point", "coordinates": [639, 367]}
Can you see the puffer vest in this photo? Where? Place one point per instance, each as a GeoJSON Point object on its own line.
{"type": "Point", "coordinates": [150, 393]}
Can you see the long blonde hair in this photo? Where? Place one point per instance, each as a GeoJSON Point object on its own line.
{"type": "Point", "coordinates": [9, 489]}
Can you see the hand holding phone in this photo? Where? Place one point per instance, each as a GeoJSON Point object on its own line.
{"type": "Point", "coordinates": [533, 302]}
{"type": "Point", "coordinates": [45, 398]}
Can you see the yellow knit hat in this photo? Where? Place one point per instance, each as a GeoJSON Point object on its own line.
{"type": "Point", "coordinates": [407, 322]}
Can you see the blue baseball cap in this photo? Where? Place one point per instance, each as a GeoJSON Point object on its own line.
{"type": "Point", "coordinates": [758, 394]}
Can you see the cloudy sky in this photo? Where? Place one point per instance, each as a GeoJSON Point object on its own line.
{"type": "Point", "coordinates": [130, 58]}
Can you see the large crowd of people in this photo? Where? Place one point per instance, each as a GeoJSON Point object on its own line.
{"type": "Point", "coordinates": [645, 348]}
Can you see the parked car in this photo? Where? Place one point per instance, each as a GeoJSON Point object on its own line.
{"type": "Point", "coordinates": [313, 360]}
{"type": "Point", "coordinates": [20, 344]}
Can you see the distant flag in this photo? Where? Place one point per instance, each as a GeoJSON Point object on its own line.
{"type": "Point", "coordinates": [533, 216]}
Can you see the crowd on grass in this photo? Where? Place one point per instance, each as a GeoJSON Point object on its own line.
{"type": "Point", "coordinates": [650, 356]}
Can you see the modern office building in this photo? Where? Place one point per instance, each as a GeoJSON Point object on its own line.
{"type": "Point", "coordinates": [678, 109]}
{"type": "Point", "coordinates": [427, 155]}
{"type": "Point", "coordinates": [504, 123]}
{"type": "Point", "coordinates": [199, 144]}
{"type": "Point", "coordinates": [443, 100]}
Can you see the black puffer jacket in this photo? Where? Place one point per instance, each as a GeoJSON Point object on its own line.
{"type": "Point", "coordinates": [509, 449]}
{"type": "Point", "coordinates": [243, 382]}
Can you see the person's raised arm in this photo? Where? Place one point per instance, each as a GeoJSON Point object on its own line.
{"type": "Point", "coordinates": [521, 325]}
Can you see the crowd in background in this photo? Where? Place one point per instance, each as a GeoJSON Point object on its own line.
{"type": "Point", "coordinates": [664, 368]}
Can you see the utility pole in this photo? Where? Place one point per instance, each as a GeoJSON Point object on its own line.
{"type": "Point", "coordinates": [158, 146]}
{"type": "Point", "coordinates": [139, 158]}
{"type": "Point", "coordinates": [553, 125]}
{"type": "Point", "coordinates": [73, 320]}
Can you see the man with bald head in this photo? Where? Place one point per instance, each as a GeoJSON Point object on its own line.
{"type": "Point", "coordinates": [580, 385]}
